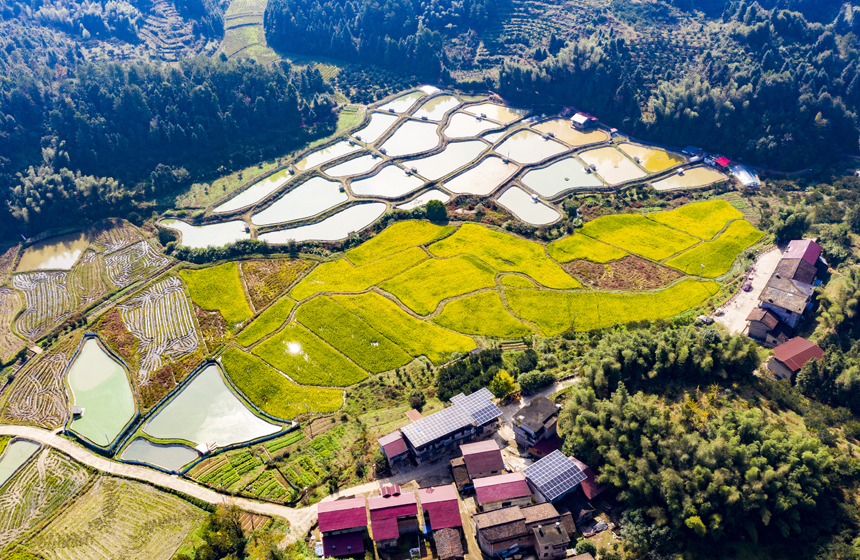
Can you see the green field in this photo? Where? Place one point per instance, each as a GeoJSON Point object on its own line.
{"type": "Point", "coordinates": [717, 255]}
{"type": "Point", "coordinates": [307, 359]}
{"type": "Point", "coordinates": [481, 314]}
{"type": "Point", "coordinates": [506, 253]}
{"type": "Point", "coordinates": [637, 234]}
{"type": "Point", "coordinates": [423, 287]}
{"type": "Point", "coordinates": [342, 276]}
{"type": "Point", "coordinates": [273, 393]}
{"type": "Point", "coordinates": [218, 288]}
{"type": "Point", "coordinates": [352, 336]}
{"type": "Point", "coordinates": [268, 322]}
{"type": "Point", "coordinates": [555, 312]}
{"type": "Point", "coordinates": [515, 281]}
{"type": "Point", "coordinates": [702, 219]}
{"type": "Point", "coordinates": [396, 238]}
{"type": "Point", "coordinates": [577, 246]}
{"type": "Point", "coordinates": [417, 337]}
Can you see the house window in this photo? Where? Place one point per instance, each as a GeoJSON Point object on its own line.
{"type": "Point", "coordinates": [506, 504]}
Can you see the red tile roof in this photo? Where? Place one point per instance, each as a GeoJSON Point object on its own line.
{"type": "Point", "coordinates": [442, 506]}
{"type": "Point", "coordinates": [768, 318]}
{"type": "Point", "coordinates": [805, 249]}
{"type": "Point", "coordinates": [723, 161]}
{"type": "Point", "coordinates": [393, 444]}
{"type": "Point", "coordinates": [482, 456]}
{"type": "Point", "coordinates": [393, 506]}
{"type": "Point", "coordinates": [384, 529]}
{"type": "Point", "coordinates": [342, 514]}
{"type": "Point", "coordinates": [796, 352]}
{"type": "Point", "coordinates": [414, 415]}
{"type": "Point", "coordinates": [589, 485]}
{"type": "Point", "coordinates": [343, 545]}
{"type": "Point", "coordinates": [501, 487]}
{"type": "Point", "coordinates": [546, 446]}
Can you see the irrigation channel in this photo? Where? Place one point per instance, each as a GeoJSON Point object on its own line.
{"type": "Point", "coordinates": [300, 519]}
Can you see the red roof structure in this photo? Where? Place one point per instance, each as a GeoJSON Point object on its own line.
{"type": "Point", "coordinates": [501, 487]}
{"type": "Point", "coordinates": [413, 415]}
{"type": "Point", "coordinates": [723, 161]}
{"type": "Point", "coordinates": [442, 505]}
{"type": "Point", "coordinates": [805, 249]}
{"type": "Point", "coordinates": [796, 352]}
{"type": "Point", "coordinates": [393, 444]}
{"type": "Point", "coordinates": [345, 544]}
{"type": "Point", "coordinates": [545, 446]}
{"type": "Point", "coordinates": [342, 514]}
{"type": "Point", "coordinates": [482, 457]}
{"type": "Point", "coordinates": [385, 511]}
{"type": "Point", "coordinates": [589, 485]}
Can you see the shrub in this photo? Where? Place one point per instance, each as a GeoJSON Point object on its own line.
{"type": "Point", "coordinates": [534, 380]}
{"type": "Point", "coordinates": [436, 211]}
{"type": "Point", "coordinates": [584, 546]}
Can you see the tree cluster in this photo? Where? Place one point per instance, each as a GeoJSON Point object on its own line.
{"type": "Point", "coordinates": [469, 374]}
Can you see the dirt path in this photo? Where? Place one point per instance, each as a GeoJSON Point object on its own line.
{"type": "Point", "coordinates": [735, 310]}
{"type": "Point", "coordinates": [300, 519]}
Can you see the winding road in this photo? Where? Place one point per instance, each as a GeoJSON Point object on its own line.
{"type": "Point", "coordinates": [300, 520]}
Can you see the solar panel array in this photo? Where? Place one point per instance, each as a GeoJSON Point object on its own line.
{"type": "Point", "coordinates": [554, 475]}
{"type": "Point", "coordinates": [474, 409]}
{"type": "Point", "coordinates": [479, 407]}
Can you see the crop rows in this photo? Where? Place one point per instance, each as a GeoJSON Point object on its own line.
{"type": "Point", "coordinates": [229, 472]}
{"type": "Point", "coordinates": [133, 263]}
{"type": "Point", "coordinates": [10, 302]}
{"type": "Point", "coordinates": [162, 320]}
{"type": "Point", "coordinates": [304, 472]}
{"type": "Point", "coordinates": [268, 487]}
{"type": "Point", "coordinates": [38, 489]}
{"type": "Point", "coordinates": [286, 441]}
{"type": "Point", "coordinates": [38, 395]}
{"type": "Point", "coordinates": [113, 234]}
{"type": "Point", "coordinates": [88, 278]}
{"type": "Point", "coordinates": [49, 297]}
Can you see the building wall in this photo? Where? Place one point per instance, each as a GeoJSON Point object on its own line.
{"type": "Point", "coordinates": [390, 543]}
{"type": "Point", "coordinates": [758, 330]}
{"type": "Point", "coordinates": [789, 317]}
{"type": "Point", "coordinates": [492, 549]}
{"type": "Point", "coordinates": [779, 369]}
{"type": "Point", "coordinates": [485, 474]}
{"type": "Point", "coordinates": [490, 506]}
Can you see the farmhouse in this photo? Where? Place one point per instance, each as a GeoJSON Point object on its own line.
{"type": "Point", "coordinates": [766, 326]}
{"type": "Point", "coordinates": [583, 121]}
{"type": "Point", "coordinates": [449, 545]}
{"type": "Point", "coordinates": [391, 515]}
{"type": "Point", "coordinates": [442, 516]}
{"type": "Point", "coordinates": [588, 486]}
{"type": "Point", "coordinates": [343, 525]}
{"type": "Point", "coordinates": [554, 476]}
{"type": "Point", "coordinates": [789, 290]}
{"type": "Point", "coordinates": [535, 422]}
{"type": "Point", "coordinates": [805, 249]}
{"type": "Point", "coordinates": [505, 531]}
{"type": "Point", "coordinates": [502, 491]}
{"type": "Point", "coordinates": [790, 357]}
{"type": "Point", "coordinates": [483, 458]}
{"type": "Point", "coordinates": [393, 446]}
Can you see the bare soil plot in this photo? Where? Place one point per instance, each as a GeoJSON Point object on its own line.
{"type": "Point", "coordinates": [113, 233]}
{"type": "Point", "coordinates": [49, 298]}
{"type": "Point", "coordinates": [88, 280]}
{"type": "Point", "coordinates": [10, 303]}
{"type": "Point", "coordinates": [7, 259]}
{"type": "Point", "coordinates": [628, 273]}
{"type": "Point", "coordinates": [266, 279]}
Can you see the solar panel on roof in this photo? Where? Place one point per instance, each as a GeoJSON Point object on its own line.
{"type": "Point", "coordinates": [554, 475]}
{"type": "Point", "coordinates": [466, 410]}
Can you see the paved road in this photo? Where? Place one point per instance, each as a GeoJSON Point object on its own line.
{"type": "Point", "coordinates": [300, 519]}
{"type": "Point", "coordinates": [735, 311]}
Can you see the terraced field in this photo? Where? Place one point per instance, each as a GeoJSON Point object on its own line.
{"type": "Point", "coordinates": [218, 288]}
{"type": "Point", "coordinates": [718, 255]}
{"type": "Point", "coordinates": [267, 279]}
{"type": "Point", "coordinates": [49, 297]}
{"type": "Point", "coordinates": [637, 234]}
{"type": "Point", "coordinates": [481, 314]}
{"type": "Point", "coordinates": [576, 246]}
{"type": "Point", "coordinates": [702, 219]}
{"type": "Point", "coordinates": [10, 303]}
{"type": "Point", "coordinates": [132, 263]}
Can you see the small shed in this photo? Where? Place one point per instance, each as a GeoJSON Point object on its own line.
{"type": "Point", "coordinates": [483, 458]}
{"type": "Point", "coordinates": [583, 121]}
{"type": "Point", "coordinates": [502, 491]}
{"type": "Point", "coordinates": [790, 357]}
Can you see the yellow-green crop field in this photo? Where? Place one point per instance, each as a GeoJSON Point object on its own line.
{"type": "Point", "coordinates": [717, 255]}
{"type": "Point", "coordinates": [423, 287]}
{"type": "Point", "coordinates": [515, 281]}
{"type": "Point", "coordinates": [578, 246]}
{"type": "Point", "coordinates": [637, 234]}
{"type": "Point", "coordinates": [396, 238]}
{"type": "Point", "coordinates": [505, 253]}
{"type": "Point", "coordinates": [417, 337]}
{"type": "Point", "coordinates": [702, 219]}
{"type": "Point", "coordinates": [307, 359]}
{"type": "Point", "coordinates": [350, 335]}
{"type": "Point", "coordinates": [268, 322]}
{"type": "Point", "coordinates": [481, 314]}
{"type": "Point", "coordinates": [218, 288]}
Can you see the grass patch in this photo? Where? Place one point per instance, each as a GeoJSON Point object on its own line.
{"type": "Point", "coordinates": [307, 359]}
{"type": "Point", "coordinates": [417, 337]}
{"type": "Point", "coordinates": [218, 288]}
{"type": "Point", "coordinates": [267, 279]}
{"type": "Point", "coordinates": [396, 238]}
{"type": "Point", "coordinates": [702, 219]}
{"type": "Point", "coordinates": [637, 234]}
{"type": "Point", "coordinates": [555, 312]}
{"type": "Point", "coordinates": [200, 195]}
{"type": "Point", "coordinates": [352, 336]}
{"type": "Point", "coordinates": [268, 322]}
{"type": "Point", "coordinates": [482, 314]}
{"type": "Point", "coordinates": [273, 393]}
{"type": "Point", "coordinates": [515, 281]}
{"type": "Point", "coordinates": [718, 255]}
{"type": "Point", "coordinates": [577, 246]}
{"type": "Point", "coordinates": [423, 287]}
{"type": "Point", "coordinates": [342, 276]}
{"type": "Point", "coordinates": [506, 253]}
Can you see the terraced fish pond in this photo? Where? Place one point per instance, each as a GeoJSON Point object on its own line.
{"type": "Point", "coordinates": [308, 199]}
{"type": "Point", "coordinates": [207, 411]}
{"type": "Point", "coordinates": [434, 109]}
{"type": "Point", "coordinates": [16, 454]}
{"type": "Point", "coordinates": [654, 160]}
{"type": "Point", "coordinates": [390, 182]}
{"type": "Point", "coordinates": [402, 103]}
{"type": "Point", "coordinates": [256, 192]}
{"type": "Point", "coordinates": [99, 384]}
{"type": "Point", "coordinates": [453, 157]}
{"type": "Point", "coordinates": [424, 198]}
{"type": "Point", "coordinates": [700, 176]}
{"type": "Point", "coordinates": [527, 146]}
{"type": "Point", "coordinates": [612, 165]}
{"type": "Point", "coordinates": [483, 178]}
{"type": "Point", "coordinates": [60, 252]}
{"type": "Point", "coordinates": [211, 235]}
{"type": "Point", "coordinates": [325, 155]}
{"type": "Point", "coordinates": [527, 208]}
{"type": "Point", "coordinates": [378, 125]}
{"type": "Point", "coordinates": [412, 137]}
{"type": "Point", "coordinates": [561, 129]}
{"type": "Point", "coordinates": [171, 457]}
{"type": "Point", "coordinates": [561, 176]}
{"type": "Point", "coordinates": [335, 227]}
{"type": "Point", "coordinates": [465, 125]}
{"type": "Point", "coordinates": [355, 166]}
{"type": "Point", "coordinates": [498, 113]}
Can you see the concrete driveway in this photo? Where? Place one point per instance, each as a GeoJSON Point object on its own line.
{"type": "Point", "coordinates": [735, 310]}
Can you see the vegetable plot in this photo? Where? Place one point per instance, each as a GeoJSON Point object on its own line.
{"type": "Point", "coordinates": [48, 298]}
{"type": "Point", "coordinates": [38, 395]}
{"type": "Point", "coordinates": [133, 263]}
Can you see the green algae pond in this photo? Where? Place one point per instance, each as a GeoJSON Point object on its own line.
{"type": "Point", "coordinates": [16, 454]}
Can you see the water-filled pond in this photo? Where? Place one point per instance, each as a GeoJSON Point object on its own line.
{"type": "Point", "coordinates": [60, 252]}
{"type": "Point", "coordinates": [378, 125]}
{"type": "Point", "coordinates": [695, 177]}
{"type": "Point", "coordinates": [16, 454]}
{"type": "Point", "coordinates": [212, 235]}
{"type": "Point", "coordinates": [327, 154]}
{"type": "Point", "coordinates": [527, 146]}
{"type": "Point", "coordinates": [653, 160]}
{"type": "Point", "coordinates": [207, 411]}
{"type": "Point", "coordinates": [402, 103]}
{"type": "Point", "coordinates": [434, 109]}
{"type": "Point", "coordinates": [424, 198]}
{"type": "Point", "coordinates": [560, 176]}
{"type": "Point", "coordinates": [355, 166]}
{"type": "Point", "coordinates": [337, 226]}
{"type": "Point", "coordinates": [465, 125]}
{"type": "Point", "coordinates": [429, 90]}
{"type": "Point", "coordinates": [453, 157]}
{"type": "Point", "coordinates": [413, 137]}
{"type": "Point", "coordinates": [256, 192]}
{"type": "Point", "coordinates": [308, 199]}
{"type": "Point", "coordinates": [496, 112]}
{"type": "Point", "coordinates": [494, 137]}
{"type": "Point", "coordinates": [562, 130]}
{"type": "Point", "coordinates": [483, 178]}
{"type": "Point", "coordinates": [390, 182]}
{"type": "Point", "coordinates": [170, 456]}
{"type": "Point", "coordinates": [526, 208]}
{"type": "Point", "coordinates": [612, 165]}
{"type": "Point", "coordinates": [101, 387]}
